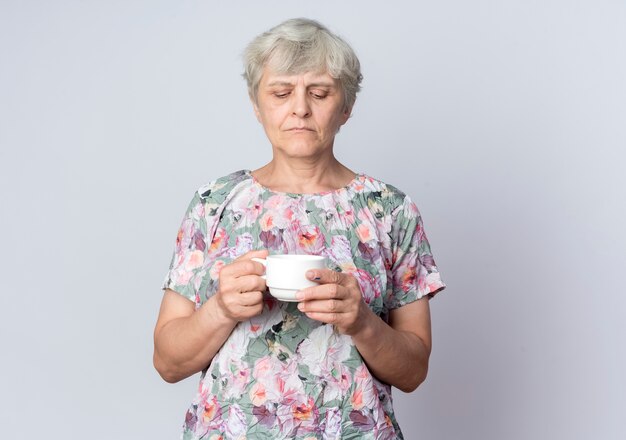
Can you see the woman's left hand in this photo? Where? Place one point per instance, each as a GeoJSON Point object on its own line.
{"type": "Point", "coordinates": [337, 300]}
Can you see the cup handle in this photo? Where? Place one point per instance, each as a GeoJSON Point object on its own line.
{"type": "Point", "coordinates": [263, 262]}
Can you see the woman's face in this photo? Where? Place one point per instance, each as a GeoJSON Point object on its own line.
{"type": "Point", "coordinates": [300, 113]}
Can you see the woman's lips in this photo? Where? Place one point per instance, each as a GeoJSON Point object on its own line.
{"type": "Point", "coordinates": [300, 129]}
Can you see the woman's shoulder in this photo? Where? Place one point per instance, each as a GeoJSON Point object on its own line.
{"type": "Point", "coordinates": [210, 198]}
{"type": "Point", "coordinates": [218, 190]}
{"type": "Point", "coordinates": [386, 194]}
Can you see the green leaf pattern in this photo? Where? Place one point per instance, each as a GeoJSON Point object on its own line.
{"type": "Point", "coordinates": [281, 375]}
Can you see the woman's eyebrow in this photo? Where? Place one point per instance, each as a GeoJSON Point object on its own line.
{"type": "Point", "coordinates": [279, 83]}
{"type": "Point", "coordinates": [321, 84]}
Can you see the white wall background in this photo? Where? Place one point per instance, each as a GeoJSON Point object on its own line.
{"type": "Point", "coordinates": [504, 120]}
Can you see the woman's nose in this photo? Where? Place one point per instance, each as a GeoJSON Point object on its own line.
{"type": "Point", "coordinates": [301, 107]}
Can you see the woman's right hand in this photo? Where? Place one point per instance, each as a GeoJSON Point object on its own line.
{"type": "Point", "coordinates": [240, 293]}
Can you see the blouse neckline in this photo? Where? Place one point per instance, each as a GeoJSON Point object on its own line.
{"type": "Point", "coordinates": [358, 179]}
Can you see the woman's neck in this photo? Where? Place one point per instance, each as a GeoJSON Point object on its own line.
{"type": "Point", "coordinates": [304, 177]}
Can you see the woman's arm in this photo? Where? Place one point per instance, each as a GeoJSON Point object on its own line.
{"type": "Point", "coordinates": [396, 353]}
{"type": "Point", "coordinates": [185, 339]}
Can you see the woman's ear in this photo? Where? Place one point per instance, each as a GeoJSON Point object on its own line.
{"type": "Point", "coordinates": [347, 112]}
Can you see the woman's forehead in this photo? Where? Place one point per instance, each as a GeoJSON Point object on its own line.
{"type": "Point", "coordinates": [271, 78]}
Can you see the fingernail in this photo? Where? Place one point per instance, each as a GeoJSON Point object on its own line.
{"type": "Point", "coordinates": [299, 296]}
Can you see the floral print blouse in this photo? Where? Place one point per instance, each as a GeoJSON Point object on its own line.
{"type": "Point", "coordinates": [282, 375]}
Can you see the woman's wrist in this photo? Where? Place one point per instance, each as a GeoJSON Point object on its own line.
{"type": "Point", "coordinates": [369, 327]}
{"type": "Point", "coordinates": [213, 314]}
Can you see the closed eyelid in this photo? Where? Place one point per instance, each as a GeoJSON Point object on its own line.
{"type": "Point", "coordinates": [280, 93]}
{"type": "Point", "coordinates": [323, 90]}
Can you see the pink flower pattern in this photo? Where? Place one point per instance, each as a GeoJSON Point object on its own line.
{"type": "Point", "coordinates": [282, 375]}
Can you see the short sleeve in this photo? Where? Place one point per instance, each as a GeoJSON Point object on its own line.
{"type": "Point", "coordinates": [188, 266]}
{"type": "Point", "coordinates": [413, 270]}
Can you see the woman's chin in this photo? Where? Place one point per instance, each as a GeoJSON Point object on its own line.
{"type": "Point", "coordinates": [302, 151]}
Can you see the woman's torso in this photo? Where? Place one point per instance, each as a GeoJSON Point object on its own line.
{"type": "Point", "coordinates": [281, 374]}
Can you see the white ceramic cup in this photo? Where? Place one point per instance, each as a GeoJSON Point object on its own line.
{"type": "Point", "coordinates": [286, 274]}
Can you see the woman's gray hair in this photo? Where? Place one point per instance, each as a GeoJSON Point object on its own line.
{"type": "Point", "coordinates": [301, 45]}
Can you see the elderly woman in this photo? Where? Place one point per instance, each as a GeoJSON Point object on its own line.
{"type": "Point", "coordinates": [322, 367]}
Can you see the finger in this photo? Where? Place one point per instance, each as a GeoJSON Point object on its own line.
{"type": "Point", "coordinates": [251, 299]}
{"type": "Point", "coordinates": [328, 318]}
{"type": "Point", "coordinates": [243, 299]}
{"type": "Point", "coordinates": [322, 292]}
{"type": "Point", "coordinates": [240, 268]}
{"type": "Point", "coordinates": [323, 306]}
{"type": "Point", "coordinates": [326, 276]}
{"type": "Point", "coordinates": [249, 283]}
